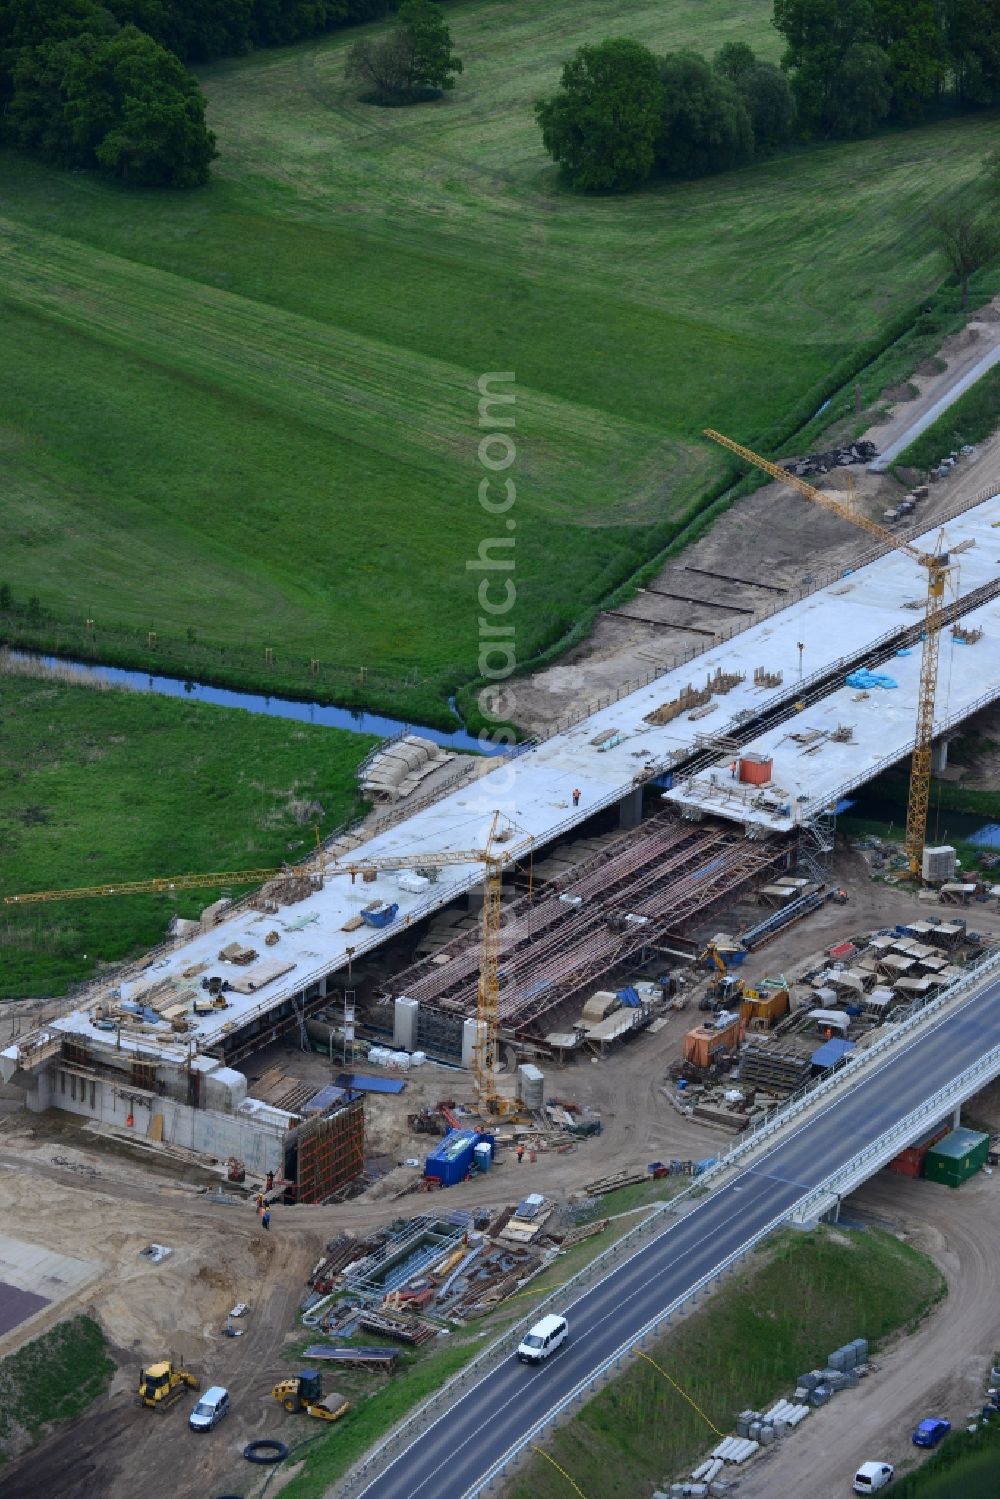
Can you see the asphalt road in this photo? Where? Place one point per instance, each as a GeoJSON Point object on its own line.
{"type": "Point", "coordinates": [454, 1453]}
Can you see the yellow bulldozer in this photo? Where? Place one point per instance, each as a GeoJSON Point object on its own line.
{"type": "Point", "coordinates": [160, 1385]}
{"type": "Point", "coordinates": [305, 1393]}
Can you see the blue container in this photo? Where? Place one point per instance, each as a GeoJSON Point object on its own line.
{"type": "Point", "coordinates": [451, 1161]}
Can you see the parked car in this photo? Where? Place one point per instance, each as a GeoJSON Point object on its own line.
{"type": "Point", "coordinates": [871, 1477]}
{"type": "Point", "coordinates": [211, 1408]}
{"type": "Point", "coordinates": [930, 1431]}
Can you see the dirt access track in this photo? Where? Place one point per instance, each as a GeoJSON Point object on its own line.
{"type": "Point", "coordinates": [770, 540]}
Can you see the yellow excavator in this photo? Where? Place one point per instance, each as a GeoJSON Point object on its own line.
{"type": "Point", "coordinates": [160, 1385]}
{"type": "Point", "coordinates": [305, 1393]}
{"type": "Point", "coordinates": [726, 988]}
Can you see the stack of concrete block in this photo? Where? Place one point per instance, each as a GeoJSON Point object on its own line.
{"type": "Point", "coordinates": [839, 1379]}
{"type": "Point", "coordinates": [806, 1383]}
{"type": "Point", "coordinates": [850, 1356]}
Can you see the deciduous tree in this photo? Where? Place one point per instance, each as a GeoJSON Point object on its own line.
{"type": "Point", "coordinates": [972, 34]}
{"type": "Point", "coordinates": [838, 71]}
{"type": "Point", "coordinates": [121, 102]}
{"type": "Point", "coordinates": [765, 91]}
{"type": "Point", "coordinates": [967, 240]}
{"type": "Point", "coordinates": [414, 60]}
{"type": "Point", "coordinates": [705, 124]}
{"type": "Point", "coordinates": [602, 124]}
{"type": "Point", "coordinates": [909, 33]}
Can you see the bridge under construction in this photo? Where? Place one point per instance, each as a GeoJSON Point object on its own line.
{"type": "Point", "coordinates": [784, 696]}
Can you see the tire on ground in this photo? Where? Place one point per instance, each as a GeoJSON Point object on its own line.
{"type": "Point", "coordinates": [265, 1450]}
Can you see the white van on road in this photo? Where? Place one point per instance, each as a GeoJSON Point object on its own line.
{"type": "Point", "coordinates": [543, 1340]}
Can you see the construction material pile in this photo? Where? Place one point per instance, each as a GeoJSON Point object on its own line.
{"type": "Point", "coordinates": [760, 1429]}
{"type": "Point", "coordinates": [285, 889]}
{"type": "Point", "coordinates": [821, 463]}
{"type": "Point", "coordinates": [397, 768]}
{"type": "Point", "coordinates": [405, 1282]}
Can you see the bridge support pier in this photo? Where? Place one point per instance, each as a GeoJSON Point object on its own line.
{"type": "Point", "coordinates": [939, 756]}
{"type": "Point", "coordinates": [956, 1118]}
{"type": "Point", "coordinates": [630, 810]}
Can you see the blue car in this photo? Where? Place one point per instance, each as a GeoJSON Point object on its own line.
{"type": "Point", "coordinates": [930, 1432]}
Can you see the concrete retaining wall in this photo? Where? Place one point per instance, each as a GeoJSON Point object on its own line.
{"type": "Point", "coordinates": [258, 1144]}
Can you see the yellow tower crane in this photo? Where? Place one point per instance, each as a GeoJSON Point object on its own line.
{"type": "Point", "coordinates": [938, 564]}
{"type": "Point", "coordinates": [497, 853]}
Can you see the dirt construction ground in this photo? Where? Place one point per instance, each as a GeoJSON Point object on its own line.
{"type": "Point", "coordinates": [64, 1189]}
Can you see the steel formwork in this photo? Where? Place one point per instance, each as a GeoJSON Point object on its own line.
{"type": "Point", "coordinates": [326, 1153]}
{"type": "Point", "coordinates": [624, 899]}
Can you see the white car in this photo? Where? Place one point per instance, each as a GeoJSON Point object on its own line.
{"type": "Point", "coordinates": [871, 1477]}
{"type": "Point", "coordinates": [211, 1408]}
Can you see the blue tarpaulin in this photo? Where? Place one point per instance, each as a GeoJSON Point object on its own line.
{"type": "Point", "coordinates": [864, 678]}
{"type": "Point", "coordinates": [324, 1099]}
{"type": "Point", "coordinates": [360, 1083]}
{"type": "Point", "coordinates": [831, 1052]}
{"type": "Point", "coordinates": [381, 915]}
{"type": "Point", "coordinates": [630, 996]}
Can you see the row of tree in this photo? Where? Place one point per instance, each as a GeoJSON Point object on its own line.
{"type": "Point", "coordinates": [622, 115]}
{"type": "Point", "coordinates": [102, 83]}
{"type": "Point", "coordinates": [199, 30]}
{"type": "Point", "coordinates": [855, 63]}
{"type": "Point", "coordinates": [81, 90]}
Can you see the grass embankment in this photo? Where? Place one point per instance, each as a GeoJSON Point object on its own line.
{"type": "Point", "coordinates": [744, 1347]}
{"type": "Point", "coordinates": [974, 416]}
{"type": "Point", "coordinates": [51, 1379]}
{"type": "Point", "coordinates": [266, 391]}
{"type": "Point", "coordinates": [967, 1466]}
{"type": "Point", "coordinates": [109, 786]}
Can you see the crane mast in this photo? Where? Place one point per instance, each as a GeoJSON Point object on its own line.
{"type": "Point", "coordinates": [937, 564]}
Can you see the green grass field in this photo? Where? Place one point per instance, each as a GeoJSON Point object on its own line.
{"type": "Point", "coordinates": [251, 410]}
{"type": "Point", "coordinates": [97, 786]}
{"type": "Point", "coordinates": [51, 1379]}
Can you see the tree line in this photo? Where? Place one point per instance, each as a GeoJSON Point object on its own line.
{"type": "Point", "coordinates": [622, 115]}
{"type": "Point", "coordinates": [102, 83]}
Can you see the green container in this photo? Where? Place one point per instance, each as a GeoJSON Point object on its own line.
{"type": "Point", "coordinates": [957, 1157]}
